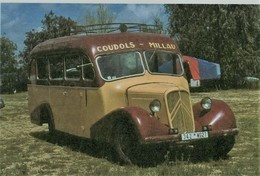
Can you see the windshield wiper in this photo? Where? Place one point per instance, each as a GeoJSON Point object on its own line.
{"type": "Point", "coordinates": [83, 65]}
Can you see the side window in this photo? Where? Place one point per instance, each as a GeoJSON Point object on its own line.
{"type": "Point", "coordinates": [164, 62]}
{"type": "Point", "coordinates": [56, 67]}
{"type": "Point", "coordinates": [42, 68]}
{"type": "Point", "coordinates": [73, 66]}
{"type": "Point", "coordinates": [88, 72]}
{"type": "Point", "coordinates": [32, 72]}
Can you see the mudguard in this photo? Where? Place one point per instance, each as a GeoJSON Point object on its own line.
{"type": "Point", "coordinates": [144, 124]}
{"type": "Point", "coordinates": [36, 117]}
{"type": "Point", "coordinates": [149, 129]}
{"type": "Point", "coordinates": [220, 117]}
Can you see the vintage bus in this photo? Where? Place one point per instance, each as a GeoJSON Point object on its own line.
{"type": "Point", "coordinates": [127, 89]}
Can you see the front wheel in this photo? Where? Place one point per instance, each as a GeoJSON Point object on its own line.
{"type": "Point", "coordinates": [216, 148]}
{"type": "Point", "coordinates": [222, 146]}
{"type": "Point", "coordinates": [130, 151]}
{"type": "Point", "coordinates": [126, 144]}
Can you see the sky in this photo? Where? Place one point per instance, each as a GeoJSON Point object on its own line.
{"type": "Point", "coordinates": [19, 18]}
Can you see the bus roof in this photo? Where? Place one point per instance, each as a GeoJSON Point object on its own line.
{"type": "Point", "coordinates": [108, 43]}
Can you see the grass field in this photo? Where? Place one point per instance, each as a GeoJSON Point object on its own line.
{"type": "Point", "coordinates": [27, 149]}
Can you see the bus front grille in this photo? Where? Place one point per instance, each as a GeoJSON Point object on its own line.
{"type": "Point", "coordinates": [180, 113]}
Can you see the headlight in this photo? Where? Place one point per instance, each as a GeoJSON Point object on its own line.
{"type": "Point", "coordinates": [206, 103]}
{"type": "Point", "coordinates": [155, 106]}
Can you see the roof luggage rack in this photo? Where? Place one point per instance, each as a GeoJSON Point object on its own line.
{"type": "Point", "coordinates": [116, 27]}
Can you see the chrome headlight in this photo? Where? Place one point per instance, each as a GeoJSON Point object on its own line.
{"type": "Point", "coordinates": [155, 106]}
{"type": "Point", "coordinates": [206, 103]}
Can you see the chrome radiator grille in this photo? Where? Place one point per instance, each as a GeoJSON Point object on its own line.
{"type": "Point", "coordinates": [180, 112]}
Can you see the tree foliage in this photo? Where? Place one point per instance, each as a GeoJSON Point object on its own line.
{"type": "Point", "coordinates": [158, 22]}
{"type": "Point", "coordinates": [8, 65]}
{"type": "Point", "coordinates": [52, 26]}
{"type": "Point", "coordinates": [101, 16]}
{"type": "Point", "coordinates": [226, 34]}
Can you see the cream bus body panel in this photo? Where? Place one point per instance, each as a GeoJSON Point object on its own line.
{"type": "Point", "coordinates": [37, 95]}
{"type": "Point", "coordinates": [76, 109]}
{"type": "Point", "coordinates": [115, 94]}
{"type": "Point", "coordinates": [67, 105]}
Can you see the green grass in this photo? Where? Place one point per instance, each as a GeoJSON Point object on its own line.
{"type": "Point", "coordinates": [27, 149]}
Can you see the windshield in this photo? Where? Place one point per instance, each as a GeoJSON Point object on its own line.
{"type": "Point", "coordinates": [162, 62]}
{"type": "Point", "coordinates": [115, 66]}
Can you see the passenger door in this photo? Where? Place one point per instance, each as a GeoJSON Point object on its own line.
{"type": "Point", "coordinates": [69, 97]}
{"type": "Point", "coordinates": [69, 103]}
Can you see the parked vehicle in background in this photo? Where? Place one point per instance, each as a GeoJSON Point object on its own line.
{"type": "Point", "coordinates": [2, 103]}
{"type": "Point", "coordinates": [127, 89]}
{"type": "Point", "coordinates": [199, 71]}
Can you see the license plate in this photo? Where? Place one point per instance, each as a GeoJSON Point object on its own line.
{"type": "Point", "coordinates": [195, 135]}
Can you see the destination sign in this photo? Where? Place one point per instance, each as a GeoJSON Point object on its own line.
{"type": "Point", "coordinates": [115, 47]}
{"type": "Point", "coordinates": [131, 45]}
{"type": "Point", "coordinates": [162, 45]}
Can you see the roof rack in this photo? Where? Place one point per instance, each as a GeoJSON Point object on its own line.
{"type": "Point", "coordinates": [117, 27]}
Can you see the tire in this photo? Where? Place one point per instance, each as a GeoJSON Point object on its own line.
{"type": "Point", "coordinates": [46, 116]}
{"type": "Point", "coordinates": [51, 126]}
{"type": "Point", "coordinates": [223, 146]}
{"type": "Point", "coordinates": [129, 150]}
{"type": "Point", "coordinates": [126, 144]}
{"type": "Point", "coordinates": [216, 149]}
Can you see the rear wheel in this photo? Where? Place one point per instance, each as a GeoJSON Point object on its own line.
{"type": "Point", "coordinates": [46, 117]}
{"type": "Point", "coordinates": [51, 126]}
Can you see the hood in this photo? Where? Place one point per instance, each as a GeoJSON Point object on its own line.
{"type": "Point", "coordinates": [151, 88]}
{"type": "Point", "coordinates": [142, 95]}
{"type": "Point", "coordinates": [175, 102]}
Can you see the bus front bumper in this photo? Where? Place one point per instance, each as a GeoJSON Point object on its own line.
{"type": "Point", "coordinates": [178, 139]}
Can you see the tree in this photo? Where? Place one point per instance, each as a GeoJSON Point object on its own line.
{"type": "Point", "coordinates": [158, 22]}
{"type": "Point", "coordinates": [57, 26]}
{"type": "Point", "coordinates": [52, 26]}
{"type": "Point", "coordinates": [102, 16]}
{"type": "Point", "coordinates": [226, 34]}
{"type": "Point", "coordinates": [8, 65]}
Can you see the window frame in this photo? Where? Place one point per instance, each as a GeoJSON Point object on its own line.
{"type": "Point", "coordinates": [32, 70]}
{"type": "Point", "coordinates": [49, 63]}
{"type": "Point", "coordinates": [123, 77]}
{"type": "Point", "coordinates": [36, 58]}
{"type": "Point", "coordinates": [65, 73]}
{"type": "Point", "coordinates": [65, 81]}
{"type": "Point", "coordinates": [168, 74]}
{"type": "Point", "coordinates": [92, 67]}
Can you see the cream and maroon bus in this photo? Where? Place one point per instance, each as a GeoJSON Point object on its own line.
{"type": "Point", "coordinates": [127, 89]}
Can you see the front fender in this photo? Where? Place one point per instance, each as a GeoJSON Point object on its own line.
{"type": "Point", "coordinates": [144, 124]}
{"type": "Point", "coordinates": [220, 117]}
